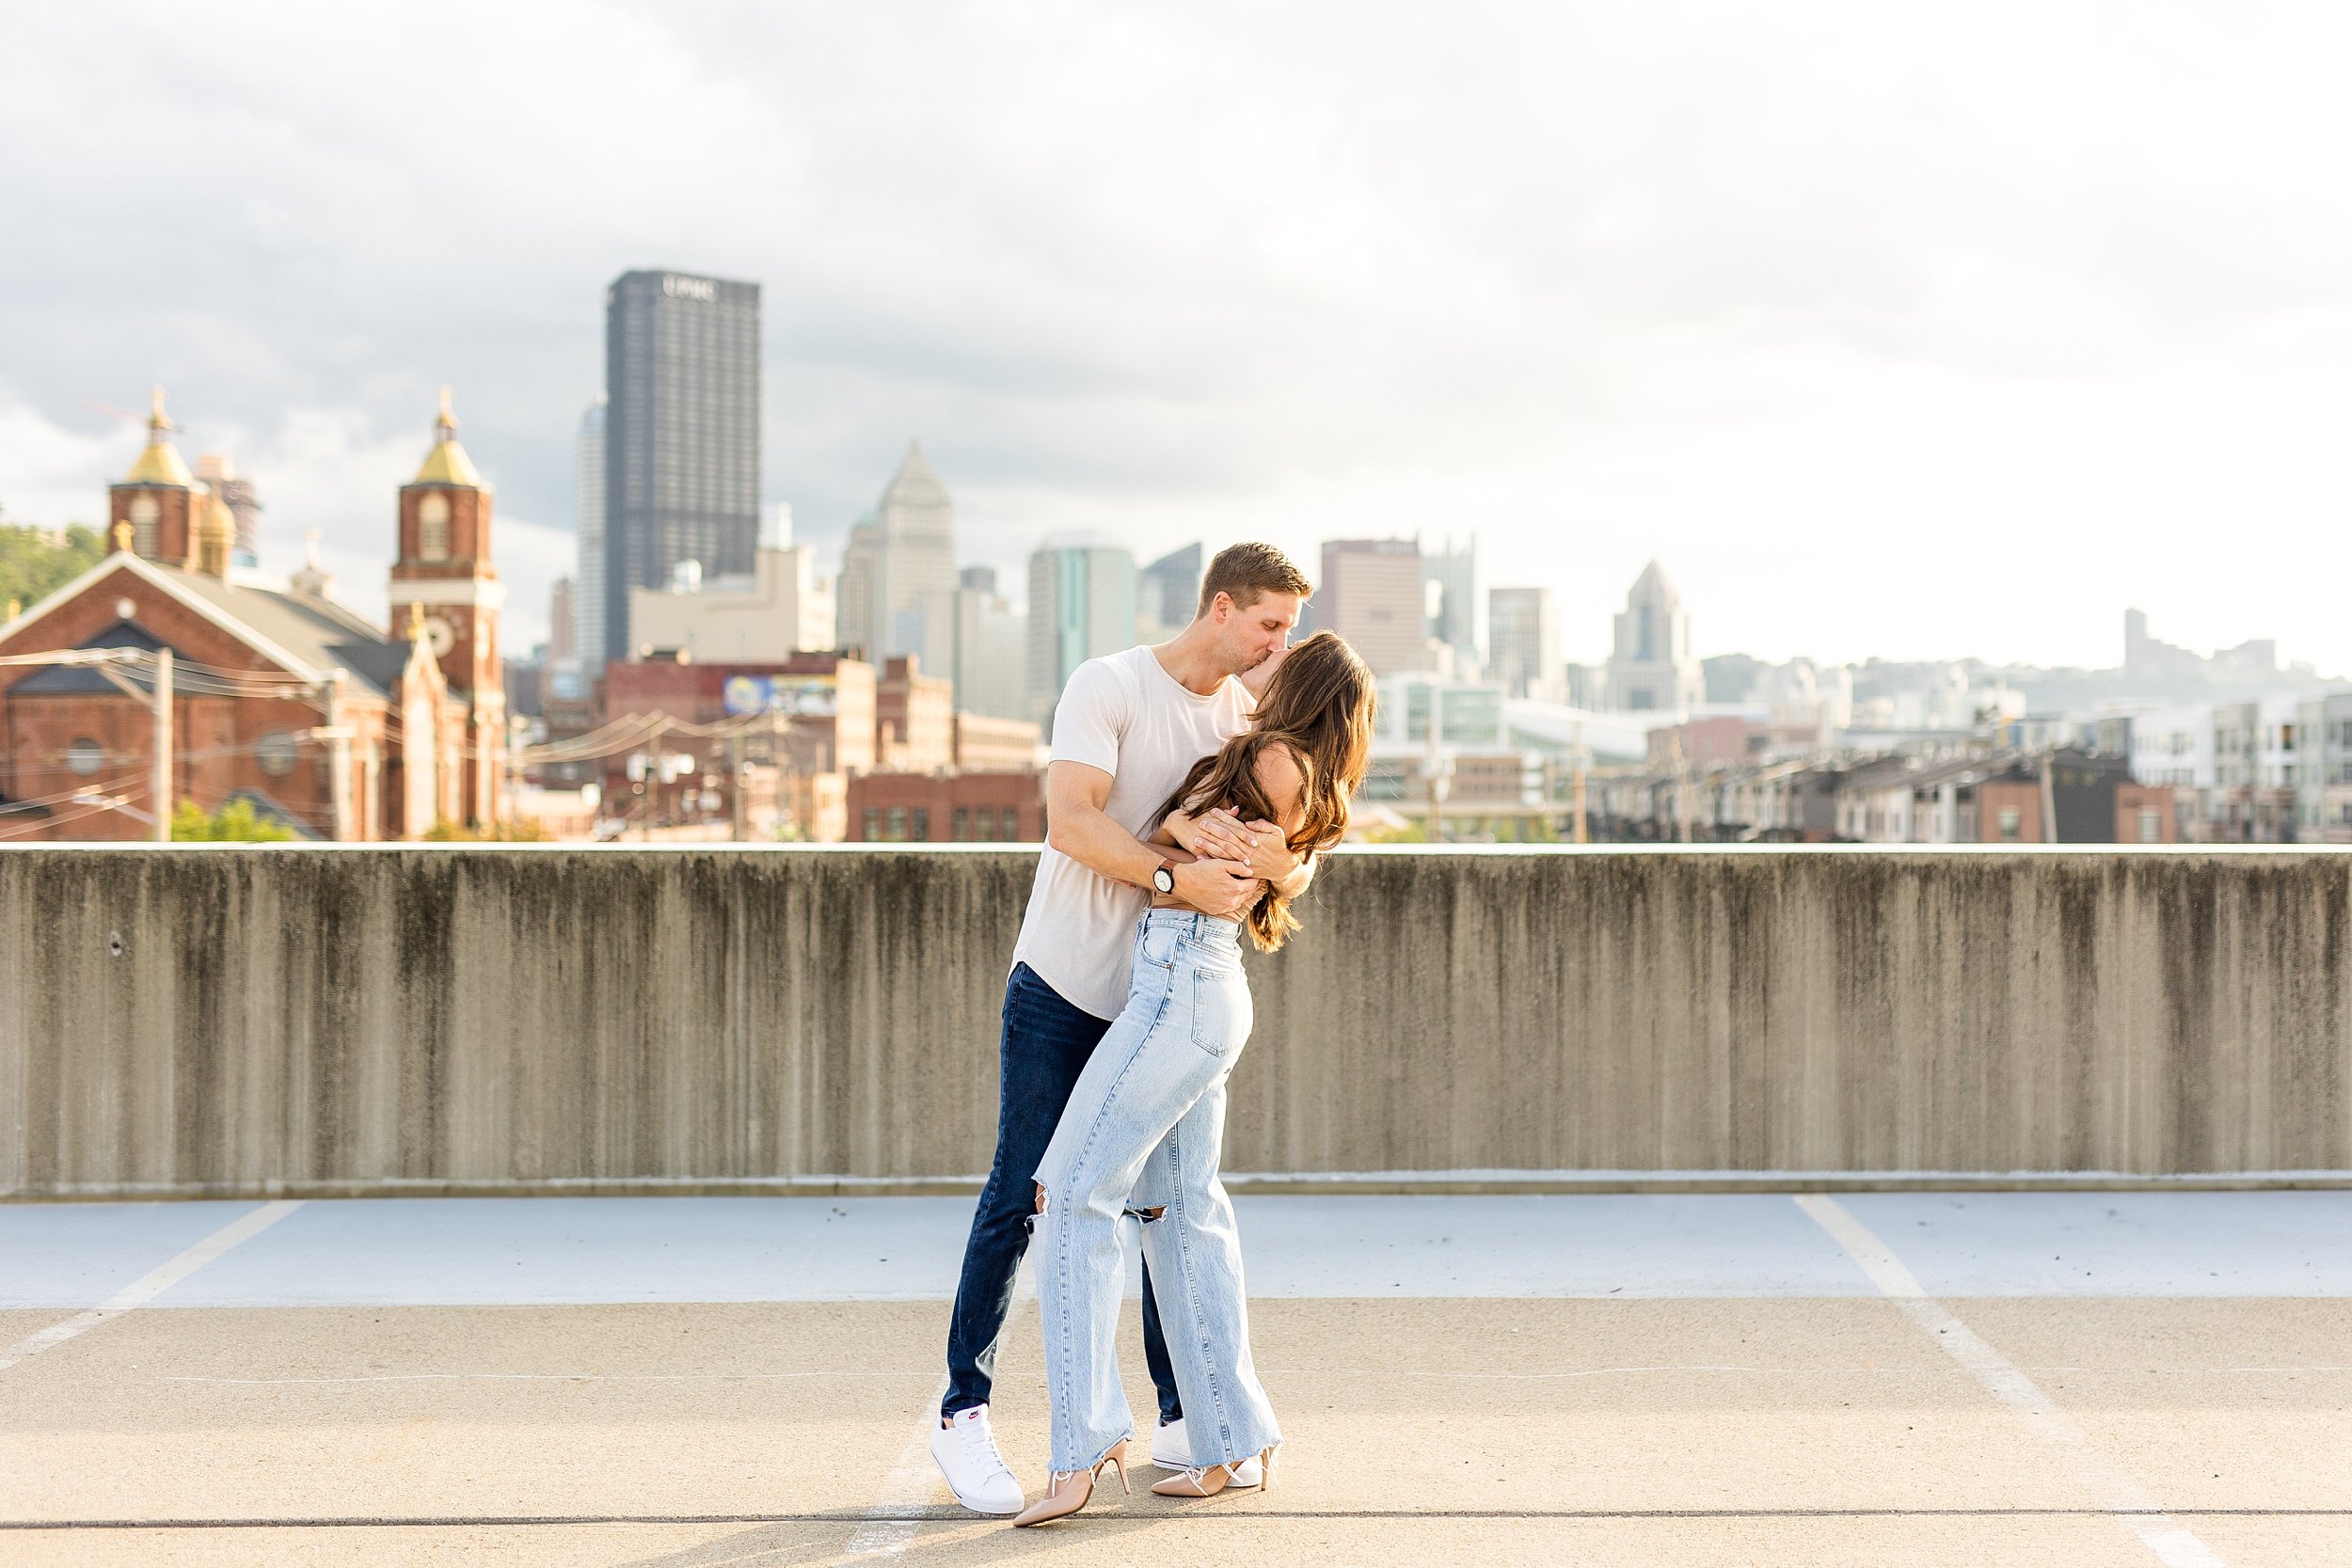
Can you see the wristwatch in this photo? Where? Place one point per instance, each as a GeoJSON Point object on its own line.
{"type": "Point", "coordinates": [1163, 879]}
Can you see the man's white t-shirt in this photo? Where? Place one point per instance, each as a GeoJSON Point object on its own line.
{"type": "Point", "coordinates": [1128, 717]}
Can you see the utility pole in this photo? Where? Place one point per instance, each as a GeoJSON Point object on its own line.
{"type": "Point", "coordinates": [735, 781]}
{"type": "Point", "coordinates": [160, 786]}
{"type": "Point", "coordinates": [1439, 769]}
{"type": "Point", "coordinates": [515, 725]}
{"type": "Point", "coordinates": [1584, 834]}
{"type": "Point", "coordinates": [787, 820]}
{"type": "Point", "coordinates": [338, 737]}
{"type": "Point", "coordinates": [1682, 794]}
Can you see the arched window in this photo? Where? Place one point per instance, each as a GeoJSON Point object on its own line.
{"type": "Point", "coordinates": [144, 511]}
{"type": "Point", "coordinates": [433, 527]}
{"type": "Point", "coordinates": [85, 756]}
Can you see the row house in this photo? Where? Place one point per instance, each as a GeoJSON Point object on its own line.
{"type": "Point", "coordinates": [2070, 796]}
{"type": "Point", "coordinates": [2271, 771]}
{"type": "Point", "coordinates": [1789, 802]}
{"type": "Point", "coordinates": [2322, 736]}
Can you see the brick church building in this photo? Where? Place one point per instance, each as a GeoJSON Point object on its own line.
{"type": "Point", "coordinates": [281, 696]}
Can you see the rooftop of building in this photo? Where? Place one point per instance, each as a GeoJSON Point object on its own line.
{"type": "Point", "coordinates": [312, 634]}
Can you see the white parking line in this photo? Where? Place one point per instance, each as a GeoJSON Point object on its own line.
{"type": "Point", "coordinates": [915, 1480]}
{"type": "Point", "coordinates": [2173, 1545]}
{"type": "Point", "coordinates": [152, 1284]}
{"type": "Point", "coordinates": [909, 1484]}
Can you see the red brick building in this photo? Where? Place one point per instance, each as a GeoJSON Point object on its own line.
{"type": "Point", "coordinates": [1719, 740]}
{"type": "Point", "coordinates": [281, 696]}
{"type": "Point", "coordinates": [947, 808]}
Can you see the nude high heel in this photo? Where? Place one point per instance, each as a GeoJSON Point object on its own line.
{"type": "Point", "coordinates": [1068, 1490]}
{"type": "Point", "coordinates": [1207, 1480]}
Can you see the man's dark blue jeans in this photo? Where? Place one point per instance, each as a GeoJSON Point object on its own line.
{"type": "Point", "coordinates": [1044, 1047]}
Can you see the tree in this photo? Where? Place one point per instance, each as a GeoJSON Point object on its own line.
{"type": "Point", "coordinates": [34, 561]}
{"type": "Point", "coordinates": [235, 823]}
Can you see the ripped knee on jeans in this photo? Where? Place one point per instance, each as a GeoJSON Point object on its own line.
{"type": "Point", "coordinates": [1146, 1215]}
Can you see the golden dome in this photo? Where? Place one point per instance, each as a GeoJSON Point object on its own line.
{"type": "Point", "coordinates": [447, 463]}
{"type": "Point", "coordinates": [215, 535]}
{"type": "Point", "coordinates": [160, 462]}
{"type": "Point", "coordinates": [216, 520]}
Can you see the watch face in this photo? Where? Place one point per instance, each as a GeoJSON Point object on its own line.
{"type": "Point", "coordinates": [1164, 879]}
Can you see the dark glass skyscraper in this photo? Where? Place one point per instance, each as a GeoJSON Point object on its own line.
{"type": "Point", "coordinates": [681, 438]}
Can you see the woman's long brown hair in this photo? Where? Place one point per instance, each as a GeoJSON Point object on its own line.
{"type": "Point", "coordinates": [1318, 707]}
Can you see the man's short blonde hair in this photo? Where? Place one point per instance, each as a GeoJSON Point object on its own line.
{"type": "Point", "coordinates": [1247, 572]}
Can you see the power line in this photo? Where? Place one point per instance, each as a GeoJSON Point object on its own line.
{"type": "Point", "coordinates": [55, 819]}
{"type": "Point", "coordinates": [107, 786]}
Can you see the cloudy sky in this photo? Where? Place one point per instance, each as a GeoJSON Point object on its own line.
{"type": "Point", "coordinates": [1890, 329]}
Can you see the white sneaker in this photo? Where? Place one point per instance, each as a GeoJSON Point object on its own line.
{"type": "Point", "coordinates": [966, 1453]}
{"type": "Point", "coordinates": [1172, 1450]}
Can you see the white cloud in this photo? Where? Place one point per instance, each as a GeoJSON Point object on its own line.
{"type": "Point", "coordinates": [1889, 330]}
{"type": "Point", "coordinates": [49, 475]}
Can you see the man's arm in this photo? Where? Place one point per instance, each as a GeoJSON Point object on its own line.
{"type": "Point", "coordinates": [1075, 795]}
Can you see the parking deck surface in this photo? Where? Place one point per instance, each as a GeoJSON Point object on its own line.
{"type": "Point", "coordinates": [2063, 1378]}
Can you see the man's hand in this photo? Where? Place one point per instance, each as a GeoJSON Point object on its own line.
{"type": "Point", "coordinates": [1216, 887]}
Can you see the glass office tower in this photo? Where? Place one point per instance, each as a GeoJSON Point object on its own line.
{"type": "Point", "coordinates": [681, 436]}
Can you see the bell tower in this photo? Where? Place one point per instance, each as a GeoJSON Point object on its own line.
{"type": "Point", "coordinates": [157, 502]}
{"type": "Point", "coordinates": [443, 569]}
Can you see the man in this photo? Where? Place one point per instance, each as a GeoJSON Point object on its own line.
{"type": "Point", "coordinates": [1127, 730]}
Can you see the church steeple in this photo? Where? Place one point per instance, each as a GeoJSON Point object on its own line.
{"type": "Point", "coordinates": [159, 461]}
{"type": "Point", "coordinates": [447, 463]}
{"type": "Point", "coordinates": [157, 500]}
{"type": "Point", "coordinates": [445, 590]}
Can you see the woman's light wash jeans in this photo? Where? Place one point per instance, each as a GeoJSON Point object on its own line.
{"type": "Point", "coordinates": [1143, 1131]}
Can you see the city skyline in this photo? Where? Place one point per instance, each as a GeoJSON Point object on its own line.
{"type": "Point", "coordinates": [1891, 287]}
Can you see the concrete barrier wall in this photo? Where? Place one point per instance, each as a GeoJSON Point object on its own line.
{"type": "Point", "coordinates": [224, 1020]}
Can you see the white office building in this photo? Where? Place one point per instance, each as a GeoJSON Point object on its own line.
{"type": "Point", "coordinates": [1651, 665]}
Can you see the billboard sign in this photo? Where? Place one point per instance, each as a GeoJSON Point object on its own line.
{"type": "Point", "coordinates": [797, 696]}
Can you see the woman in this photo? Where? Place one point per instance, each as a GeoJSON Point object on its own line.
{"type": "Point", "coordinates": [1144, 1124]}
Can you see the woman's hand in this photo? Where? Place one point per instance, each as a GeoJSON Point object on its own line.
{"type": "Point", "coordinates": [1216, 835]}
{"type": "Point", "coordinates": [1269, 858]}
